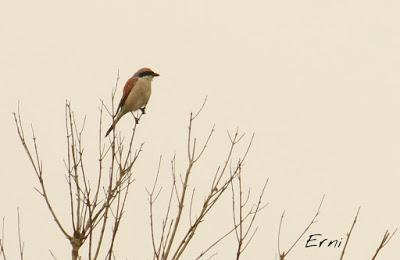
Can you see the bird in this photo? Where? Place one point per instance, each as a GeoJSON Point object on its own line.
{"type": "Point", "coordinates": [136, 95]}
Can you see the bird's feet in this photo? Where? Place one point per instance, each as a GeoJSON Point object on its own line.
{"type": "Point", "coordinates": [136, 118]}
{"type": "Point", "coordinates": [143, 109]}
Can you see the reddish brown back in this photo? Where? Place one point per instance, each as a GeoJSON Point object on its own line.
{"type": "Point", "coordinates": [130, 83]}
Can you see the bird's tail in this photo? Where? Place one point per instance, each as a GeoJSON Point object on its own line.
{"type": "Point", "coordinates": [116, 119]}
{"type": "Point", "coordinates": [109, 130]}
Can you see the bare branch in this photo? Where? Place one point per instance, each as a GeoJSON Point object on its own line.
{"type": "Point", "coordinates": [52, 255]}
{"type": "Point", "coordinates": [89, 208]}
{"type": "Point", "coordinates": [283, 254]}
{"type": "Point", "coordinates": [200, 109]}
{"type": "Point", "coordinates": [20, 243]}
{"type": "Point", "coordinates": [349, 234]}
{"type": "Point", "coordinates": [385, 240]}
{"type": "Point", "coordinates": [2, 250]}
{"type": "Point", "coordinates": [36, 164]}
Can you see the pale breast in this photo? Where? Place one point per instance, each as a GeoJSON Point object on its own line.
{"type": "Point", "coordinates": [139, 96]}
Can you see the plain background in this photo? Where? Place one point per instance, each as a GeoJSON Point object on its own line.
{"type": "Point", "coordinates": [317, 81]}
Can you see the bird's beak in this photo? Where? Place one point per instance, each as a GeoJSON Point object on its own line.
{"type": "Point", "coordinates": [156, 74]}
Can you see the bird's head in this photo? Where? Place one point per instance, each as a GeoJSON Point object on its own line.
{"type": "Point", "coordinates": [146, 73]}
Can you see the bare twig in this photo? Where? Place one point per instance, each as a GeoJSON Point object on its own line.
{"type": "Point", "coordinates": [385, 240]}
{"type": "Point", "coordinates": [37, 166]}
{"type": "Point", "coordinates": [242, 231]}
{"type": "Point", "coordinates": [20, 243]}
{"type": "Point", "coordinates": [53, 255]}
{"type": "Point", "coordinates": [349, 234]}
{"type": "Point", "coordinates": [283, 254]}
{"type": "Point", "coordinates": [2, 250]}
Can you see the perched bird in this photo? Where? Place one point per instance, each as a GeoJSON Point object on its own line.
{"type": "Point", "coordinates": [135, 96]}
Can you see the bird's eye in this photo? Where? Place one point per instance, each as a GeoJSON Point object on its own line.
{"type": "Point", "coordinates": [146, 73]}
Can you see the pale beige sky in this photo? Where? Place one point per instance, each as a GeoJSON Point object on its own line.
{"type": "Point", "coordinates": [317, 81]}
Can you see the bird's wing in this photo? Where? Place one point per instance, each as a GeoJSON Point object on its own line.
{"type": "Point", "coordinates": [129, 85]}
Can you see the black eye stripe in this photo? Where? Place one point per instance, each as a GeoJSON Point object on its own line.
{"type": "Point", "coordinates": [146, 73]}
